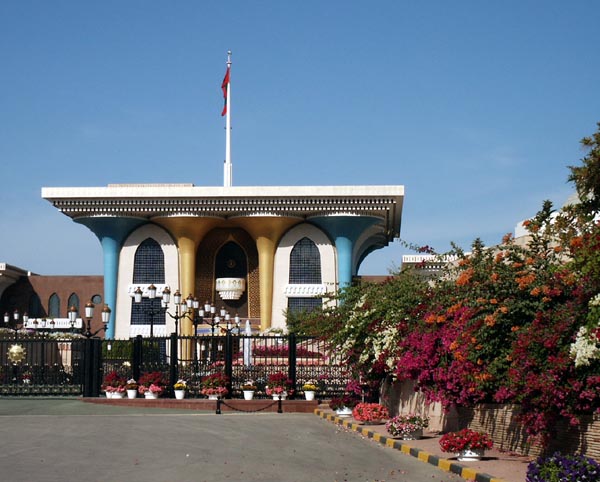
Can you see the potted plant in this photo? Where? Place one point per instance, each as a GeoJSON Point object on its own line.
{"type": "Point", "coordinates": [248, 388]}
{"type": "Point", "coordinates": [309, 389]}
{"type": "Point", "coordinates": [408, 427]}
{"type": "Point", "coordinates": [132, 388]}
{"type": "Point", "coordinates": [214, 386]}
{"type": "Point", "coordinates": [343, 405]}
{"type": "Point", "coordinates": [467, 444]}
{"type": "Point", "coordinates": [114, 385]}
{"type": "Point", "coordinates": [179, 388]}
{"type": "Point", "coordinates": [279, 386]}
{"type": "Point", "coordinates": [370, 413]}
{"type": "Point", "coordinates": [563, 468]}
{"type": "Point", "coordinates": [151, 384]}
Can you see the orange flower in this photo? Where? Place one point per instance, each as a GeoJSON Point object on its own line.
{"type": "Point", "coordinates": [494, 301]}
{"type": "Point", "coordinates": [464, 262]}
{"type": "Point", "coordinates": [490, 320]}
{"type": "Point", "coordinates": [441, 319]}
{"type": "Point", "coordinates": [517, 264]}
{"type": "Point", "coordinates": [494, 277]}
{"type": "Point", "coordinates": [481, 300]}
{"type": "Point", "coordinates": [545, 299]}
{"type": "Point", "coordinates": [479, 361]}
{"type": "Point", "coordinates": [454, 308]}
{"type": "Point", "coordinates": [529, 261]}
{"type": "Point", "coordinates": [514, 328]}
{"type": "Point", "coordinates": [576, 242]}
{"type": "Point", "coordinates": [453, 346]}
{"type": "Point", "coordinates": [535, 291]}
{"type": "Point", "coordinates": [479, 347]}
{"type": "Point", "coordinates": [506, 238]}
{"type": "Point", "coordinates": [430, 318]}
{"type": "Point", "coordinates": [465, 277]}
{"type": "Point", "coordinates": [558, 249]}
{"type": "Point", "coordinates": [473, 340]}
{"type": "Point", "coordinates": [525, 281]}
{"type": "Point", "coordinates": [526, 223]}
{"type": "Point", "coordinates": [503, 309]}
{"type": "Point", "coordinates": [499, 256]}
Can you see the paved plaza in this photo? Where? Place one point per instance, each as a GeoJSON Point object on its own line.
{"type": "Point", "coordinates": [68, 440]}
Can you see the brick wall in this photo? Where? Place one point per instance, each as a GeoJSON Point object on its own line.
{"type": "Point", "coordinates": [498, 420]}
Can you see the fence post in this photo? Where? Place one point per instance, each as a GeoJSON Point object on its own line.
{"type": "Point", "coordinates": [229, 362]}
{"type": "Point", "coordinates": [292, 360]}
{"type": "Point", "coordinates": [173, 369]}
{"type": "Point", "coordinates": [92, 367]}
{"type": "Point", "coordinates": [136, 361]}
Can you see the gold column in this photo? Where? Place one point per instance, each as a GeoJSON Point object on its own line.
{"type": "Point", "coordinates": [188, 232]}
{"type": "Point", "coordinates": [267, 232]}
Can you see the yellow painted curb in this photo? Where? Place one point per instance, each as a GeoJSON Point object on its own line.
{"type": "Point", "coordinates": [443, 464]}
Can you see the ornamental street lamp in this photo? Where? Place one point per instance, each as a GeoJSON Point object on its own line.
{"type": "Point", "coordinates": [89, 314]}
{"type": "Point", "coordinates": [44, 326]}
{"type": "Point", "coordinates": [15, 315]}
{"type": "Point", "coordinates": [181, 308]}
{"type": "Point", "coordinates": [151, 312]}
{"type": "Point", "coordinates": [207, 315]}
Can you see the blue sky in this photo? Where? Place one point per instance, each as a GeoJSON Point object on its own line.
{"type": "Point", "coordinates": [475, 107]}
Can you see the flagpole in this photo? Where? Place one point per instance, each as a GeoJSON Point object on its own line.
{"type": "Point", "coordinates": [227, 173]}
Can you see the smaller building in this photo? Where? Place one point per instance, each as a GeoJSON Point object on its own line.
{"type": "Point", "coordinates": [48, 298]}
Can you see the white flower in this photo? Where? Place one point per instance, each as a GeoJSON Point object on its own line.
{"type": "Point", "coordinates": [585, 348]}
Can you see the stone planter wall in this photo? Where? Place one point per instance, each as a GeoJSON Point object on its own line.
{"type": "Point", "coordinates": [496, 419]}
{"type": "Point", "coordinates": [401, 398]}
{"type": "Point", "coordinates": [500, 422]}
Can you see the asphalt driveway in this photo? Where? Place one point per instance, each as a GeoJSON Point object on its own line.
{"type": "Point", "coordinates": [68, 440]}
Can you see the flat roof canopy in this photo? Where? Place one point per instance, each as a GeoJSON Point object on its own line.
{"type": "Point", "coordinates": [148, 201]}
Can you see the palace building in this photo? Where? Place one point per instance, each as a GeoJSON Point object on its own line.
{"type": "Point", "coordinates": [256, 251]}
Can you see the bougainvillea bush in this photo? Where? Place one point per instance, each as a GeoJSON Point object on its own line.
{"type": "Point", "coordinates": [518, 322]}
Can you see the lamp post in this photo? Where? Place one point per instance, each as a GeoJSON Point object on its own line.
{"type": "Point", "coordinates": [207, 315]}
{"type": "Point", "coordinates": [181, 308]}
{"type": "Point", "coordinates": [89, 314]}
{"type": "Point", "coordinates": [45, 326]}
{"type": "Point", "coordinates": [151, 312]}
{"type": "Point", "coordinates": [16, 315]}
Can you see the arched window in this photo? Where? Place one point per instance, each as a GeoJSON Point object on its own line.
{"type": "Point", "coordinates": [305, 268]}
{"type": "Point", "coordinates": [73, 301]}
{"type": "Point", "coordinates": [148, 267]}
{"type": "Point", "coordinates": [149, 263]}
{"type": "Point", "coordinates": [54, 306]}
{"type": "Point", "coordinates": [305, 263]}
{"type": "Point", "coordinates": [35, 307]}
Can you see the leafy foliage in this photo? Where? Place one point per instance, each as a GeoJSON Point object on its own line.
{"type": "Point", "coordinates": [504, 324]}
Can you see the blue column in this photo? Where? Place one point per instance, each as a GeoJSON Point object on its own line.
{"type": "Point", "coordinates": [111, 231]}
{"type": "Point", "coordinates": [344, 231]}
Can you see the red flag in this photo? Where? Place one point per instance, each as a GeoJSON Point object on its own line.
{"type": "Point", "coordinates": [224, 88]}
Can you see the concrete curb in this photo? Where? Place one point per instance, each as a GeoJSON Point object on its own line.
{"type": "Point", "coordinates": [467, 473]}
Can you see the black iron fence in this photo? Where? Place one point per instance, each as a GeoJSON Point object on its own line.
{"type": "Point", "coordinates": [42, 366]}
{"type": "Point", "coordinates": [77, 367]}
